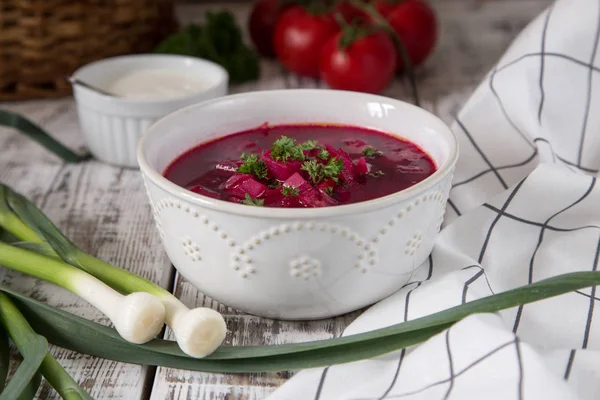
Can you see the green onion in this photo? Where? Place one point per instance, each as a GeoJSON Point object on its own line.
{"type": "Point", "coordinates": [4, 357]}
{"type": "Point", "coordinates": [198, 332]}
{"type": "Point", "coordinates": [33, 348]}
{"type": "Point", "coordinates": [21, 332]}
{"type": "Point", "coordinates": [30, 390]}
{"type": "Point", "coordinates": [18, 229]}
{"type": "Point", "coordinates": [75, 333]}
{"type": "Point", "coordinates": [35, 132]}
{"type": "Point", "coordinates": [138, 317]}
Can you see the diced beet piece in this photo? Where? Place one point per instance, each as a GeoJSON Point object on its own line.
{"type": "Point", "coordinates": [329, 183]}
{"type": "Point", "coordinates": [361, 167]}
{"type": "Point", "coordinates": [291, 202]}
{"type": "Point", "coordinates": [205, 192]}
{"type": "Point", "coordinates": [234, 181]}
{"type": "Point", "coordinates": [240, 184]}
{"type": "Point", "coordinates": [342, 194]}
{"type": "Point", "coordinates": [298, 182]}
{"type": "Point", "coordinates": [324, 194]}
{"type": "Point", "coordinates": [280, 170]}
{"type": "Point", "coordinates": [344, 156]}
{"type": "Point", "coordinates": [254, 188]}
{"type": "Point", "coordinates": [275, 198]}
{"type": "Point", "coordinates": [314, 198]}
{"type": "Point", "coordinates": [326, 200]}
{"type": "Point", "coordinates": [312, 153]}
{"type": "Point", "coordinates": [348, 173]}
{"type": "Point", "coordinates": [331, 150]}
{"type": "Point", "coordinates": [286, 202]}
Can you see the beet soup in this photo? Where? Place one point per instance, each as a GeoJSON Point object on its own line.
{"type": "Point", "coordinates": [295, 166]}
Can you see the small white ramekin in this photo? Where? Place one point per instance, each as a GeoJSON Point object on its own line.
{"type": "Point", "coordinates": [112, 126]}
{"type": "Point", "coordinates": [297, 263]}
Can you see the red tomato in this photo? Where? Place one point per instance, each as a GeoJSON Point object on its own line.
{"type": "Point", "coordinates": [261, 25]}
{"type": "Point", "coordinates": [299, 38]}
{"type": "Point", "coordinates": [384, 7]}
{"type": "Point", "coordinates": [416, 25]}
{"type": "Point", "coordinates": [367, 65]}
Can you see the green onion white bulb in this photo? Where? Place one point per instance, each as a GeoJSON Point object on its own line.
{"type": "Point", "coordinates": [198, 331]}
{"type": "Point", "coordinates": [138, 317]}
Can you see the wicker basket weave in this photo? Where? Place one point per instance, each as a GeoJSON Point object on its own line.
{"type": "Point", "coordinates": [43, 41]}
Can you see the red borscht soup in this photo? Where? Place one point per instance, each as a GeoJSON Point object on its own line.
{"type": "Point", "coordinates": [294, 166]}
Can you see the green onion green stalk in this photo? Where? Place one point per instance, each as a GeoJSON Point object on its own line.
{"type": "Point", "coordinates": [37, 133]}
{"type": "Point", "coordinates": [22, 335]}
{"type": "Point", "coordinates": [199, 332]}
{"type": "Point", "coordinates": [138, 317]}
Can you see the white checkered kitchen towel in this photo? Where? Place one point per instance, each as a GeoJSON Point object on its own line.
{"type": "Point", "coordinates": [525, 206]}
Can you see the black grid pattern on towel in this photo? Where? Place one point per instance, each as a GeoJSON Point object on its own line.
{"type": "Point", "coordinates": [575, 163]}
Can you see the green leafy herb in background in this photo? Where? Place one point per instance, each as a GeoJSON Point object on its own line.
{"type": "Point", "coordinates": [219, 40]}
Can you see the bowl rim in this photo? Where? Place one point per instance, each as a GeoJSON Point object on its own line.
{"type": "Point", "coordinates": [200, 64]}
{"type": "Point", "coordinates": [295, 213]}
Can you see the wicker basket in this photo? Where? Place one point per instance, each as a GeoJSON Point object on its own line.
{"type": "Point", "coordinates": [43, 41]}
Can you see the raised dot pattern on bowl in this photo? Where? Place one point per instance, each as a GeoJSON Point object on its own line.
{"type": "Point", "coordinates": [299, 268]}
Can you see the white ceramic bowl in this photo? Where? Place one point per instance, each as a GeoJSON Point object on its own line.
{"type": "Point", "coordinates": [112, 126]}
{"type": "Point", "coordinates": [297, 263]}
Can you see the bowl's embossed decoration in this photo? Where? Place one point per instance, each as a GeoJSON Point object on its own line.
{"type": "Point", "coordinates": [305, 267]}
{"type": "Point", "coordinates": [413, 243]}
{"type": "Point", "coordinates": [402, 242]}
{"type": "Point", "coordinates": [191, 249]}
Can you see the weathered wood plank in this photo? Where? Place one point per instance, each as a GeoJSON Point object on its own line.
{"type": "Point", "coordinates": [474, 34]}
{"type": "Point", "coordinates": [104, 210]}
{"type": "Point", "coordinates": [242, 330]}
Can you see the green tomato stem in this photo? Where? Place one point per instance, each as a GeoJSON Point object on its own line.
{"type": "Point", "coordinates": [372, 11]}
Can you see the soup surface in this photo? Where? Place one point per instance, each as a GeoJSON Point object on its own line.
{"type": "Point", "coordinates": [295, 166]}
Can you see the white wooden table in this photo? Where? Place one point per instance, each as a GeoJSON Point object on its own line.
{"type": "Point", "coordinates": [105, 211]}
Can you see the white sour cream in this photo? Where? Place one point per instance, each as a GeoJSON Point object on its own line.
{"type": "Point", "coordinates": [156, 84]}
